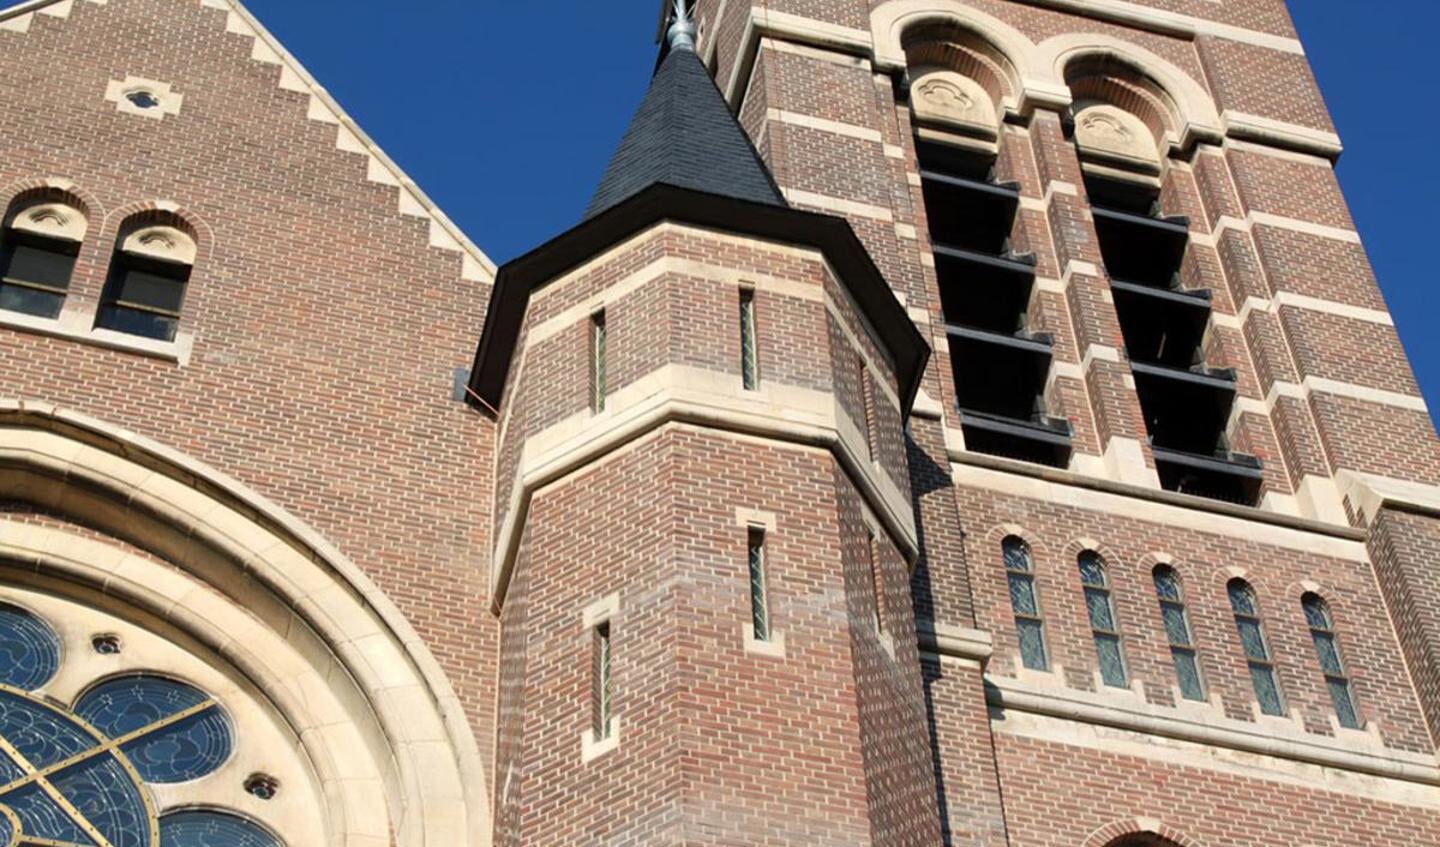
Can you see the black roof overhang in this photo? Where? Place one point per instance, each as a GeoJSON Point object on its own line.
{"type": "Point", "coordinates": [832, 236]}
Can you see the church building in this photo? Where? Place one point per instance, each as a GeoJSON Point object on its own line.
{"type": "Point", "coordinates": [963, 423]}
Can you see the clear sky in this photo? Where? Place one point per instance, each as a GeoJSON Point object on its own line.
{"type": "Point", "coordinates": [506, 112]}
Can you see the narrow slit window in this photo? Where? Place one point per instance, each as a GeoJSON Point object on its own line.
{"type": "Point", "coordinates": [603, 693]}
{"type": "Point", "coordinates": [1103, 626]}
{"type": "Point", "coordinates": [1327, 650]}
{"type": "Point", "coordinates": [1020, 571]}
{"type": "Point", "coordinates": [877, 581]}
{"type": "Point", "coordinates": [867, 395]}
{"type": "Point", "coordinates": [598, 376]}
{"type": "Point", "coordinates": [749, 351]}
{"type": "Point", "coordinates": [1257, 648]}
{"type": "Point", "coordinates": [759, 593]}
{"type": "Point", "coordinates": [1177, 630]}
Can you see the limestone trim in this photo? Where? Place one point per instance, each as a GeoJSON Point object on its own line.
{"type": "Point", "coordinates": [163, 99]}
{"type": "Point", "coordinates": [839, 205]}
{"type": "Point", "coordinates": [79, 326]}
{"type": "Point", "coordinates": [944, 639]}
{"type": "Point", "coordinates": [864, 133]}
{"type": "Point", "coordinates": [1356, 752]}
{"type": "Point", "coordinates": [1311, 304]}
{"type": "Point", "coordinates": [1168, 23]}
{"type": "Point", "coordinates": [166, 243]}
{"type": "Point", "coordinates": [18, 18]}
{"type": "Point", "coordinates": [225, 534]}
{"type": "Point", "coordinates": [50, 218]}
{"type": "Point", "coordinates": [1066, 488]}
{"type": "Point", "coordinates": [1068, 716]}
{"type": "Point", "coordinates": [1369, 494]}
{"type": "Point", "coordinates": [1281, 134]}
{"type": "Point", "coordinates": [1114, 830]}
{"type": "Point", "coordinates": [676, 395]}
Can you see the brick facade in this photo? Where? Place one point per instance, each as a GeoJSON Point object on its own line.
{"type": "Point", "coordinates": [890, 704]}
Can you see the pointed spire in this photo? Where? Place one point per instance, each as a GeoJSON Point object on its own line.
{"type": "Point", "coordinates": [682, 28]}
{"type": "Point", "coordinates": [685, 135]}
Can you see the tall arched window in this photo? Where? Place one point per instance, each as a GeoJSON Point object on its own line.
{"type": "Point", "coordinates": [147, 280]}
{"type": "Point", "coordinates": [38, 248]}
{"type": "Point", "coordinates": [1103, 624]}
{"type": "Point", "coordinates": [1177, 631]}
{"type": "Point", "coordinates": [1020, 571]}
{"type": "Point", "coordinates": [1327, 649]}
{"type": "Point", "coordinates": [1257, 648]}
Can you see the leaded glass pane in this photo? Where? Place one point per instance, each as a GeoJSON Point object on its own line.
{"type": "Point", "coordinates": [1022, 595]}
{"type": "Point", "coordinates": [1187, 671]}
{"type": "Point", "coordinates": [40, 734]}
{"type": "Point", "coordinates": [1344, 703]}
{"type": "Point", "coordinates": [1102, 615]}
{"type": "Point", "coordinates": [749, 358]}
{"type": "Point", "coordinates": [178, 751]}
{"type": "Point", "coordinates": [109, 798]}
{"type": "Point", "coordinates": [1315, 612]}
{"type": "Point", "coordinates": [1167, 584]}
{"type": "Point", "coordinates": [29, 649]}
{"type": "Point", "coordinates": [1267, 691]}
{"type": "Point", "coordinates": [1032, 644]}
{"type": "Point", "coordinates": [759, 608]}
{"type": "Point", "coordinates": [41, 817]}
{"type": "Point", "coordinates": [1017, 555]}
{"type": "Point", "coordinates": [204, 828]}
{"type": "Point", "coordinates": [9, 826]}
{"type": "Point", "coordinates": [1112, 664]}
{"type": "Point", "coordinates": [599, 341]}
{"type": "Point", "coordinates": [1329, 654]}
{"type": "Point", "coordinates": [1252, 639]}
{"type": "Point", "coordinates": [1242, 599]}
{"type": "Point", "coordinates": [1176, 627]}
{"type": "Point", "coordinates": [1092, 569]}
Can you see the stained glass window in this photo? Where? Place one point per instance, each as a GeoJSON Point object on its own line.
{"type": "Point", "coordinates": [1327, 650]}
{"type": "Point", "coordinates": [749, 353]}
{"type": "Point", "coordinates": [1177, 630]}
{"type": "Point", "coordinates": [76, 778]}
{"type": "Point", "coordinates": [759, 598]}
{"type": "Point", "coordinates": [1101, 608]}
{"type": "Point", "coordinates": [1257, 649]}
{"type": "Point", "coordinates": [1020, 572]}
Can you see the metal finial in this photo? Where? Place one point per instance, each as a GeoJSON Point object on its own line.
{"type": "Point", "coordinates": [682, 29]}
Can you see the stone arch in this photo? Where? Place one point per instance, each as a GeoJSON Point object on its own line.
{"type": "Point", "coordinates": [297, 618]}
{"type": "Point", "coordinates": [986, 46]}
{"type": "Point", "coordinates": [1139, 832]}
{"type": "Point", "coordinates": [161, 213]}
{"type": "Point", "coordinates": [1176, 108]}
{"type": "Point", "coordinates": [59, 188]}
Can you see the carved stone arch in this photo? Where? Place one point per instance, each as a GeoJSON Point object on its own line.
{"type": "Point", "coordinates": [157, 213]}
{"type": "Point", "coordinates": [60, 188]}
{"type": "Point", "coordinates": [951, 35]}
{"type": "Point", "coordinates": [1173, 105]}
{"type": "Point", "coordinates": [52, 207]}
{"type": "Point", "coordinates": [254, 585]}
{"type": "Point", "coordinates": [1139, 832]}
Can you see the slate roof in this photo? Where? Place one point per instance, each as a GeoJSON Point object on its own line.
{"type": "Point", "coordinates": [684, 135]}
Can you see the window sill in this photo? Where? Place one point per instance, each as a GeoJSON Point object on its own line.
{"type": "Point", "coordinates": [592, 748]}
{"type": "Point", "coordinates": [74, 326]}
{"type": "Point", "coordinates": [774, 646]}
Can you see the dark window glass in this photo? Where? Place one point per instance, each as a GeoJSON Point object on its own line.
{"type": "Point", "coordinates": [602, 696]}
{"type": "Point", "coordinates": [35, 273]}
{"type": "Point", "coordinates": [1257, 650]}
{"type": "Point", "coordinates": [759, 600]}
{"type": "Point", "coordinates": [1099, 605]}
{"type": "Point", "coordinates": [1177, 630]}
{"type": "Point", "coordinates": [1025, 603]}
{"type": "Point", "coordinates": [1327, 651]}
{"type": "Point", "coordinates": [144, 296]}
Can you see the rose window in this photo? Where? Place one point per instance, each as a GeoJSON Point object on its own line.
{"type": "Point", "coordinates": [80, 775]}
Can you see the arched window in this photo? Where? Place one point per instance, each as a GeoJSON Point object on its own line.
{"type": "Point", "coordinates": [147, 280]}
{"type": "Point", "coordinates": [41, 239]}
{"type": "Point", "coordinates": [1257, 648]}
{"type": "Point", "coordinates": [1103, 625]}
{"type": "Point", "coordinates": [1020, 571]}
{"type": "Point", "coordinates": [1177, 631]}
{"type": "Point", "coordinates": [1327, 649]}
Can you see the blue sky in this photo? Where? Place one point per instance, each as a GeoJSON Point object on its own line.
{"type": "Point", "coordinates": [506, 113]}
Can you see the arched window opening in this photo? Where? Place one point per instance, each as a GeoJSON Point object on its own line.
{"type": "Point", "coordinates": [1025, 602]}
{"type": "Point", "coordinates": [1177, 631]}
{"type": "Point", "coordinates": [1327, 650]}
{"type": "Point", "coordinates": [1103, 624]}
{"type": "Point", "coordinates": [1119, 122]}
{"type": "Point", "coordinates": [38, 248]}
{"type": "Point", "coordinates": [148, 277]}
{"type": "Point", "coordinates": [1256, 646]}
